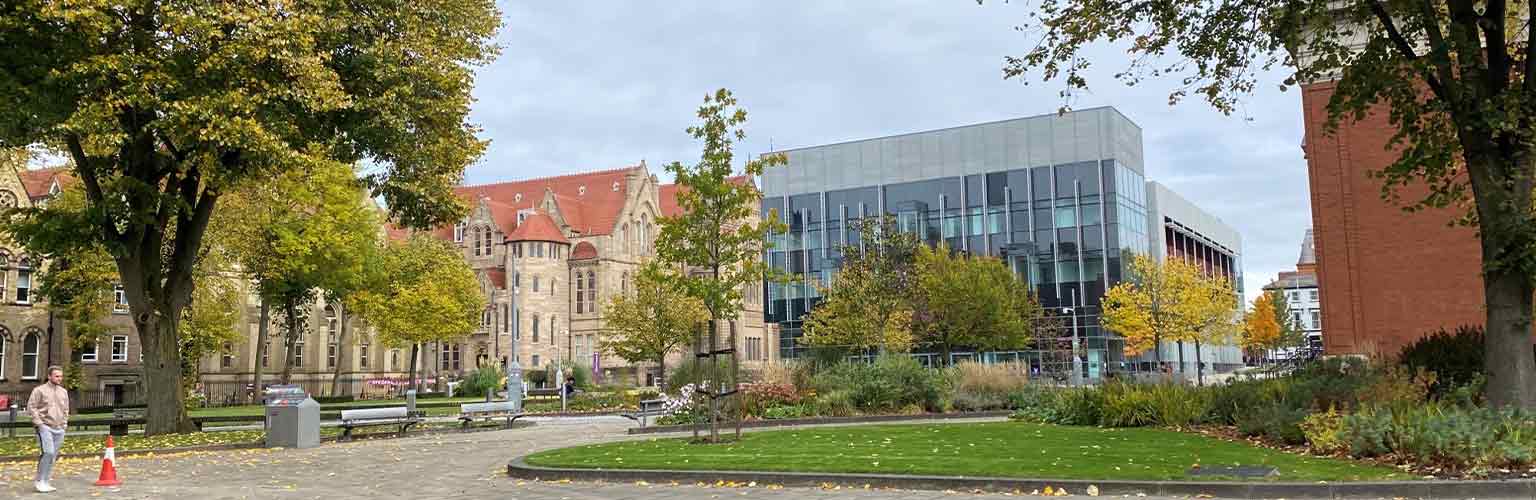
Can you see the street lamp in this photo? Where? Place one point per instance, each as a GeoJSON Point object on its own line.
{"type": "Point", "coordinates": [1071, 313]}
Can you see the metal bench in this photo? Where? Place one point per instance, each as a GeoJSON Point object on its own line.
{"type": "Point", "coordinates": [373, 417]}
{"type": "Point", "coordinates": [544, 391]}
{"type": "Point", "coordinates": [122, 418]}
{"type": "Point", "coordinates": [470, 412]}
{"type": "Point", "coordinates": [648, 408]}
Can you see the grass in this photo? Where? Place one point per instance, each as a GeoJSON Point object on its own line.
{"type": "Point", "coordinates": [26, 445]}
{"type": "Point", "coordinates": [1004, 449]}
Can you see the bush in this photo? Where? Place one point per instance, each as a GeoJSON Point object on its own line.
{"type": "Point", "coordinates": [1456, 358]}
{"type": "Point", "coordinates": [690, 371]}
{"type": "Point", "coordinates": [536, 377]}
{"type": "Point", "coordinates": [837, 403]}
{"type": "Point", "coordinates": [789, 411]}
{"type": "Point", "coordinates": [979, 387]}
{"type": "Point", "coordinates": [1477, 440]}
{"type": "Point", "coordinates": [1275, 421]}
{"type": "Point", "coordinates": [582, 374]}
{"type": "Point", "coordinates": [1325, 432]}
{"type": "Point", "coordinates": [482, 379]}
{"type": "Point", "coordinates": [888, 384]}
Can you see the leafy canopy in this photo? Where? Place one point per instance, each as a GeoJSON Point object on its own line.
{"type": "Point", "coordinates": [653, 320]}
{"type": "Point", "coordinates": [870, 302]}
{"type": "Point", "coordinates": [1169, 301]}
{"type": "Point", "coordinates": [972, 301]}
{"type": "Point", "coordinates": [428, 294]}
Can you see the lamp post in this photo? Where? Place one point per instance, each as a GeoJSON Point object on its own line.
{"type": "Point", "coordinates": [1071, 312]}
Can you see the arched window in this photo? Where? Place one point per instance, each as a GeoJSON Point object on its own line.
{"type": "Point", "coordinates": [592, 290]}
{"type": "Point", "coordinates": [5, 341]}
{"type": "Point", "coordinates": [5, 271]}
{"type": "Point", "coordinates": [330, 336]}
{"type": "Point", "coordinates": [535, 327]}
{"type": "Point", "coordinates": [581, 289]}
{"type": "Point", "coordinates": [29, 351]}
{"type": "Point", "coordinates": [476, 243]}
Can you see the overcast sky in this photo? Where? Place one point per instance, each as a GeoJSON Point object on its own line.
{"type": "Point", "coordinates": [591, 85]}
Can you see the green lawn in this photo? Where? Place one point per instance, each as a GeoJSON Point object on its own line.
{"type": "Point", "coordinates": [1003, 449]}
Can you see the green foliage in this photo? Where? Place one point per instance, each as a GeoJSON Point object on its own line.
{"type": "Point", "coordinates": [429, 294]}
{"type": "Point", "coordinates": [888, 384]}
{"type": "Point", "coordinates": [836, 403]}
{"type": "Point", "coordinates": [979, 387]}
{"type": "Point", "coordinates": [869, 304]}
{"type": "Point", "coordinates": [581, 372]}
{"type": "Point", "coordinates": [1325, 432]}
{"type": "Point", "coordinates": [691, 371]}
{"type": "Point", "coordinates": [1273, 421]}
{"type": "Point", "coordinates": [653, 320]}
{"type": "Point", "coordinates": [780, 412]}
{"type": "Point", "coordinates": [477, 382]}
{"type": "Point", "coordinates": [971, 301]}
{"type": "Point", "coordinates": [1455, 358]}
{"type": "Point", "coordinates": [1475, 440]}
{"type": "Point", "coordinates": [77, 282]}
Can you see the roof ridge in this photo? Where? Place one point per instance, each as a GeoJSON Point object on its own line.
{"type": "Point", "coordinates": [561, 176]}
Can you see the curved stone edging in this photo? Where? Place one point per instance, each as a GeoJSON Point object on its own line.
{"type": "Point", "coordinates": [789, 422]}
{"type": "Point", "coordinates": [1521, 488]}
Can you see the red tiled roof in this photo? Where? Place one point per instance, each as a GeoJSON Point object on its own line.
{"type": "Point", "coordinates": [537, 227]}
{"type": "Point", "coordinates": [37, 181]}
{"type": "Point", "coordinates": [587, 201]}
{"type": "Point", "coordinates": [584, 251]}
{"type": "Point", "coordinates": [668, 195]}
{"type": "Point", "coordinates": [497, 277]}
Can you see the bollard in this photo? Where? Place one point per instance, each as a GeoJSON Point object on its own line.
{"type": "Point", "coordinates": [12, 431]}
{"type": "Point", "coordinates": [410, 401]}
{"type": "Point", "coordinates": [488, 391]}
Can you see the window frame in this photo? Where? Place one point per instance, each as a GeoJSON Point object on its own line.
{"type": "Point", "coordinates": [116, 356]}
{"type": "Point", "coordinates": [93, 355]}
{"type": "Point", "coordinates": [36, 341]}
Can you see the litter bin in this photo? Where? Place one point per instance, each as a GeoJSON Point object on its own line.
{"type": "Point", "coordinates": [293, 418]}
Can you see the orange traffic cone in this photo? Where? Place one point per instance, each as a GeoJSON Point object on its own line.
{"type": "Point", "coordinates": [108, 471]}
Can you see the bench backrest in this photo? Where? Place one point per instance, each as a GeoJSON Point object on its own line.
{"type": "Point", "coordinates": [374, 413]}
{"type": "Point", "coordinates": [492, 407]}
{"type": "Point", "coordinates": [127, 412]}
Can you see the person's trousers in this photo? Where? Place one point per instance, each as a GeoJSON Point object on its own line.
{"type": "Point", "coordinates": [49, 440]}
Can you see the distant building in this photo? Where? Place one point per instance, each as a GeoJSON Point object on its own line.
{"type": "Point", "coordinates": [1181, 230]}
{"type": "Point", "coordinates": [1301, 293]}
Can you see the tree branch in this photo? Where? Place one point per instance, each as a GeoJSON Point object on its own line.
{"type": "Point", "coordinates": [1492, 24]}
{"type": "Point", "coordinates": [88, 177]}
{"type": "Point", "coordinates": [1404, 47]}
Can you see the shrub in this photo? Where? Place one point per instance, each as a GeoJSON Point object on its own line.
{"type": "Point", "coordinates": [836, 403]}
{"type": "Point", "coordinates": [987, 386]}
{"type": "Point", "coordinates": [1456, 358]}
{"type": "Point", "coordinates": [578, 371]}
{"type": "Point", "coordinates": [478, 381]}
{"type": "Point", "coordinates": [1477, 440]}
{"type": "Point", "coordinates": [789, 411]}
{"type": "Point", "coordinates": [1325, 432]}
{"type": "Point", "coordinates": [1275, 421]}
{"type": "Point", "coordinates": [1228, 402]}
{"type": "Point", "coordinates": [1179, 405]}
{"type": "Point", "coordinates": [1081, 406]}
{"type": "Point", "coordinates": [536, 377]}
{"type": "Point", "coordinates": [691, 371]}
{"type": "Point", "coordinates": [758, 397]}
{"type": "Point", "coordinates": [888, 384]}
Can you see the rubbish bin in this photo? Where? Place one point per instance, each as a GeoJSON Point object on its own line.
{"type": "Point", "coordinates": [293, 418]}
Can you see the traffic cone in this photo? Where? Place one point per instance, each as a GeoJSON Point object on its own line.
{"type": "Point", "coordinates": [108, 471]}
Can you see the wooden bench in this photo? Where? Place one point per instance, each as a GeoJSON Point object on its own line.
{"type": "Point", "coordinates": [121, 418]}
{"type": "Point", "coordinates": [373, 417]}
{"type": "Point", "coordinates": [470, 412]}
{"type": "Point", "coordinates": [648, 408]}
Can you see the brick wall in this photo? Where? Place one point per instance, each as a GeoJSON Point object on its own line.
{"type": "Point", "coordinates": [1387, 276]}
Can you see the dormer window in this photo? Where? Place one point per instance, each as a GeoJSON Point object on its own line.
{"type": "Point", "coordinates": [581, 190]}
{"type": "Point", "coordinates": [517, 198]}
{"type": "Point", "coordinates": [615, 186]}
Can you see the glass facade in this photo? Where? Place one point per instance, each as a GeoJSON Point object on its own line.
{"type": "Point", "coordinates": [1065, 229]}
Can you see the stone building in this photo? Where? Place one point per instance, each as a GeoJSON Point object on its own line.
{"type": "Point", "coordinates": [551, 252]}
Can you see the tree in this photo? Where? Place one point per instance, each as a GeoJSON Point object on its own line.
{"type": "Point", "coordinates": [157, 140]}
{"type": "Point", "coordinates": [1291, 334]}
{"type": "Point", "coordinates": [1213, 310]}
{"type": "Point", "coordinates": [971, 301]}
{"type": "Point", "coordinates": [652, 321]}
{"type": "Point", "coordinates": [1456, 78]}
{"type": "Point", "coordinates": [1144, 309]}
{"type": "Point", "coordinates": [428, 294]}
{"type": "Point", "coordinates": [717, 236]}
{"type": "Point", "coordinates": [869, 305]}
{"type": "Point", "coordinates": [209, 321]}
{"type": "Point", "coordinates": [1260, 330]}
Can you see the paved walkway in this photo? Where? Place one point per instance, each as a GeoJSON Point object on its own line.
{"type": "Point", "coordinates": [440, 466]}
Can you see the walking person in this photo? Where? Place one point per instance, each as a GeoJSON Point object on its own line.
{"type": "Point", "coordinates": [49, 405]}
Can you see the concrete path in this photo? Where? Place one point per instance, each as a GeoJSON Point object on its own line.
{"type": "Point", "coordinates": [440, 466]}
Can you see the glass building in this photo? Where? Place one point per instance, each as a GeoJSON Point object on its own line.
{"type": "Point", "coordinates": [1061, 198]}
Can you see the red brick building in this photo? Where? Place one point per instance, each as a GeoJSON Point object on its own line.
{"type": "Point", "coordinates": [1387, 276]}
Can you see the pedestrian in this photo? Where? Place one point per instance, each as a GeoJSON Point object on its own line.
{"type": "Point", "coordinates": [570, 387]}
{"type": "Point", "coordinates": [49, 405]}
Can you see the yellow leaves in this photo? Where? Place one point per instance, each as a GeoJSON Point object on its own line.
{"type": "Point", "coordinates": [1173, 300]}
{"type": "Point", "coordinates": [1260, 329]}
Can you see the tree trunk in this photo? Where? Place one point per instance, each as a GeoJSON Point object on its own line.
{"type": "Point", "coordinates": [661, 373]}
{"type": "Point", "coordinates": [290, 337]}
{"type": "Point", "coordinates": [261, 346]}
{"type": "Point", "coordinates": [415, 352]}
{"type": "Point", "coordinates": [341, 343]}
{"type": "Point", "coordinates": [1199, 366]}
{"type": "Point", "coordinates": [1507, 342]}
{"type": "Point", "coordinates": [1181, 361]}
{"type": "Point", "coordinates": [162, 374]}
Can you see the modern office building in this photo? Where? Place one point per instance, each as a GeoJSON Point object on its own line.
{"type": "Point", "coordinates": [1182, 231]}
{"type": "Point", "coordinates": [1061, 197]}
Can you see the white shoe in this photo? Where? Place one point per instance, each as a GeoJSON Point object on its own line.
{"type": "Point", "coordinates": [45, 488]}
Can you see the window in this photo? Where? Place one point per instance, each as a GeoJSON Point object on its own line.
{"type": "Point", "coordinates": [5, 264]}
{"type": "Point", "coordinates": [458, 232]}
{"type": "Point", "coordinates": [581, 291]}
{"type": "Point", "coordinates": [535, 361]}
{"type": "Point", "coordinates": [1296, 317]}
{"type": "Point", "coordinates": [1066, 217]}
{"type": "Point", "coordinates": [517, 281]}
{"type": "Point", "coordinates": [119, 299]}
{"type": "Point", "coordinates": [538, 249]}
{"type": "Point", "coordinates": [592, 290]}
{"type": "Point", "coordinates": [535, 327]}
{"type": "Point", "coordinates": [1312, 295]}
{"type": "Point", "coordinates": [362, 353]}
{"type": "Point", "coordinates": [29, 346]}
{"type": "Point", "coordinates": [1317, 320]}
{"type": "Point", "coordinates": [485, 318]}
{"type": "Point", "coordinates": [624, 283]}
{"type": "Point", "coordinates": [552, 287]}
{"type": "Point", "coordinates": [394, 359]}
{"type": "Point", "coordinates": [23, 284]}
{"type": "Point", "coordinates": [476, 244]}
{"type": "Point", "coordinates": [1295, 296]}
{"type": "Point", "coordinates": [330, 336]}
{"type": "Point", "coordinates": [487, 240]}
{"type": "Point", "coordinates": [298, 350]}
{"type": "Point", "coordinates": [5, 340]}
{"type": "Point", "coordinates": [553, 320]}
{"type": "Point", "coordinates": [89, 354]}
{"type": "Point", "coordinates": [119, 348]}
{"type": "Point", "coordinates": [623, 236]}
{"type": "Point", "coordinates": [506, 318]}
{"type": "Point", "coordinates": [535, 284]}
{"type": "Point", "coordinates": [266, 352]}
{"type": "Point", "coordinates": [227, 358]}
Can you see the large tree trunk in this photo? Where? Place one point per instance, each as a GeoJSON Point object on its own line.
{"type": "Point", "coordinates": [162, 373]}
{"type": "Point", "coordinates": [290, 337]}
{"type": "Point", "coordinates": [1507, 342]}
{"type": "Point", "coordinates": [262, 334]}
{"type": "Point", "coordinates": [341, 343]}
{"type": "Point", "coordinates": [415, 350]}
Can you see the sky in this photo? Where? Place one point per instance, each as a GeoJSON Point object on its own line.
{"type": "Point", "coordinates": [593, 85]}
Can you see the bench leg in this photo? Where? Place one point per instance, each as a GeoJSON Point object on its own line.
{"type": "Point", "coordinates": [346, 434]}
